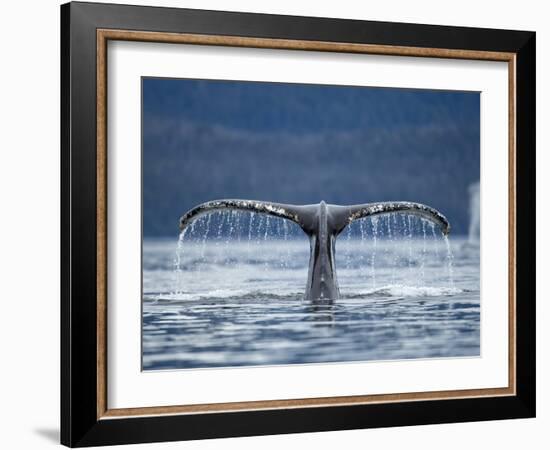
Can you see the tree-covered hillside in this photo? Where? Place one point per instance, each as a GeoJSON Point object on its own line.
{"type": "Point", "coordinates": [204, 140]}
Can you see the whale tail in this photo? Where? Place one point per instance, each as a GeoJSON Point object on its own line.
{"type": "Point", "coordinates": [322, 223]}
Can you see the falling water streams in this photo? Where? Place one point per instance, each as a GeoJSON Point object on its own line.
{"type": "Point", "coordinates": [436, 247]}
{"type": "Point", "coordinates": [374, 222]}
{"type": "Point", "coordinates": [285, 238]}
{"type": "Point", "coordinates": [220, 228]}
{"type": "Point", "coordinates": [177, 261]}
{"type": "Point", "coordinates": [449, 260]}
{"type": "Point", "coordinates": [423, 260]}
{"type": "Point", "coordinates": [259, 228]}
{"type": "Point", "coordinates": [363, 242]}
{"type": "Point", "coordinates": [348, 247]}
{"type": "Point", "coordinates": [250, 222]}
{"type": "Point", "coordinates": [205, 236]}
{"type": "Point", "coordinates": [389, 248]}
{"type": "Point", "coordinates": [266, 234]}
{"type": "Point", "coordinates": [263, 230]}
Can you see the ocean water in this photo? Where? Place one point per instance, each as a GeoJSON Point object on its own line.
{"type": "Point", "coordinates": [230, 295]}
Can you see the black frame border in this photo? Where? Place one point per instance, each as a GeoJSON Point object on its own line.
{"type": "Point", "coordinates": [79, 423]}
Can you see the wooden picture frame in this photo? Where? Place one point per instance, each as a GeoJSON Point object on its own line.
{"type": "Point", "coordinates": [86, 418]}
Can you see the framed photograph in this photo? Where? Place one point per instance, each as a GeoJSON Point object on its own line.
{"type": "Point", "coordinates": [276, 224]}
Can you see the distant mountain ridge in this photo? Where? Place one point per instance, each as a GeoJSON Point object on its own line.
{"type": "Point", "coordinates": [302, 108]}
{"type": "Point", "coordinates": [306, 169]}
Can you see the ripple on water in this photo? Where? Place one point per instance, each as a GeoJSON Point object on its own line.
{"type": "Point", "coordinates": [241, 314]}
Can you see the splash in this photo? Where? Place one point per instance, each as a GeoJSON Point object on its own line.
{"type": "Point", "coordinates": [450, 270]}
{"type": "Point", "coordinates": [473, 230]}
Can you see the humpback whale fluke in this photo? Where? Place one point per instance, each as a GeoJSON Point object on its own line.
{"type": "Point", "coordinates": [322, 223]}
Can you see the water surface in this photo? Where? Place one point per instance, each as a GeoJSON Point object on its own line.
{"type": "Point", "coordinates": [232, 295]}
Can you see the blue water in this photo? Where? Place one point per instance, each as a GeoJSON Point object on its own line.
{"type": "Point", "coordinates": [226, 300]}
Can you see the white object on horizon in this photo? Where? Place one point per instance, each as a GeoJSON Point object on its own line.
{"type": "Point", "coordinates": [473, 231]}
